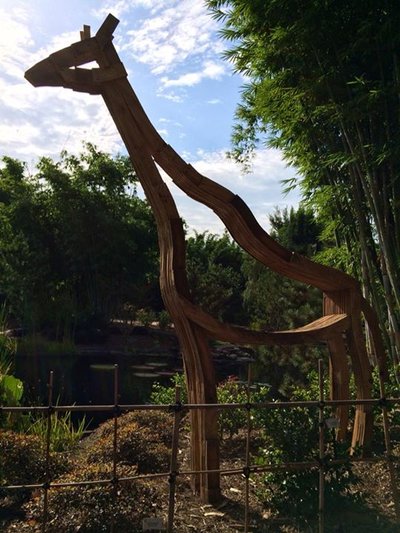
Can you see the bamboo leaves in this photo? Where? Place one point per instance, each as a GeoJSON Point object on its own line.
{"type": "Point", "coordinates": [323, 86]}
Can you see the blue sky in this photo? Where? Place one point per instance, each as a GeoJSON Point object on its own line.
{"type": "Point", "coordinates": [172, 52]}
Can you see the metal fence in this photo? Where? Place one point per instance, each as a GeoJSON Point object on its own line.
{"type": "Point", "coordinates": [246, 469]}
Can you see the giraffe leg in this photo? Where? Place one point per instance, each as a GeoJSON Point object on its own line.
{"type": "Point", "coordinates": [340, 378]}
{"type": "Point", "coordinates": [363, 422]}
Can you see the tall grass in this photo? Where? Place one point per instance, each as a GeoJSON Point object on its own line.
{"type": "Point", "coordinates": [64, 433]}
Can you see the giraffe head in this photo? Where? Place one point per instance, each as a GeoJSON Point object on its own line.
{"type": "Point", "coordinates": [62, 68]}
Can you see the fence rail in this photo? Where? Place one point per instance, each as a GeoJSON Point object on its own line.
{"type": "Point", "coordinates": [177, 409]}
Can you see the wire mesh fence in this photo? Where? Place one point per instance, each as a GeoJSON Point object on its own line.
{"type": "Point", "coordinates": [246, 469]}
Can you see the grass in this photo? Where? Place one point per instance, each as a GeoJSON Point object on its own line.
{"type": "Point", "coordinates": [64, 433]}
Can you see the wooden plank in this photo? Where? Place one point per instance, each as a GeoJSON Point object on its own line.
{"type": "Point", "coordinates": [340, 382]}
{"type": "Point", "coordinates": [85, 33]}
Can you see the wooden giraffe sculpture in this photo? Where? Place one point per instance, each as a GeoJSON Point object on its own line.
{"type": "Point", "coordinates": [341, 325]}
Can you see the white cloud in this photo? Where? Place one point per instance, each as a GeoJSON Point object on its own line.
{"type": "Point", "coordinates": [37, 122]}
{"type": "Point", "coordinates": [176, 32]}
{"type": "Point", "coordinates": [15, 38]}
{"type": "Point", "coordinates": [261, 190]}
{"type": "Point", "coordinates": [170, 95]}
{"type": "Point", "coordinates": [117, 7]}
{"type": "Point", "coordinates": [44, 121]}
{"type": "Point", "coordinates": [177, 42]}
{"type": "Point", "coordinates": [210, 70]}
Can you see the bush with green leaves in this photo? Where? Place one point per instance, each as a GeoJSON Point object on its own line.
{"type": "Point", "coordinates": [58, 278]}
{"type": "Point", "coordinates": [231, 390]}
{"type": "Point", "coordinates": [146, 316]}
{"type": "Point", "coordinates": [165, 394]}
{"type": "Point", "coordinates": [164, 320]}
{"type": "Point", "coordinates": [292, 435]}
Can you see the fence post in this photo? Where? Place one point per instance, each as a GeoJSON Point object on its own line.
{"type": "Point", "coordinates": [115, 446]}
{"type": "Point", "coordinates": [47, 467]}
{"type": "Point", "coordinates": [246, 469]}
{"type": "Point", "coordinates": [174, 459]}
{"type": "Point", "coordinates": [321, 500]}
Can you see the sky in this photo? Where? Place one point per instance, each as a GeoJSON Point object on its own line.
{"type": "Point", "coordinates": [173, 54]}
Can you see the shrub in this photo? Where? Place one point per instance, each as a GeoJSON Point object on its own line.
{"type": "Point", "coordinates": [165, 395]}
{"type": "Point", "coordinates": [22, 460]}
{"type": "Point", "coordinates": [94, 508]}
{"type": "Point", "coordinates": [144, 440]}
{"type": "Point", "coordinates": [146, 316]}
{"type": "Point", "coordinates": [164, 320]}
{"type": "Point", "coordinates": [231, 421]}
{"type": "Point", "coordinates": [231, 390]}
{"type": "Point", "coordinates": [291, 435]}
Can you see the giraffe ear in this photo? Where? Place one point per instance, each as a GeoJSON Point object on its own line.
{"type": "Point", "coordinates": [107, 28]}
{"type": "Point", "coordinates": [85, 33]}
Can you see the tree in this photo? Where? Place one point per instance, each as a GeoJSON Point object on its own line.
{"type": "Point", "coordinates": [324, 88]}
{"type": "Point", "coordinates": [277, 303]}
{"type": "Point", "coordinates": [77, 243]}
{"type": "Point", "coordinates": [214, 266]}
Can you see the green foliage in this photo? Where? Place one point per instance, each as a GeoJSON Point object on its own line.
{"type": "Point", "coordinates": [164, 320]}
{"type": "Point", "coordinates": [64, 435]}
{"type": "Point", "coordinates": [322, 86]}
{"type": "Point", "coordinates": [274, 302]}
{"type": "Point", "coordinates": [231, 421]}
{"type": "Point", "coordinates": [298, 230]}
{"type": "Point", "coordinates": [146, 316]}
{"type": "Point", "coordinates": [77, 243]}
{"type": "Point", "coordinates": [291, 435]}
{"type": "Point", "coordinates": [165, 395]}
{"type": "Point", "coordinates": [11, 388]}
{"type": "Point", "coordinates": [214, 275]}
{"type": "Point", "coordinates": [391, 391]}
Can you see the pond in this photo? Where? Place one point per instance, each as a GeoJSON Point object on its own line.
{"type": "Point", "coordinates": [87, 376]}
